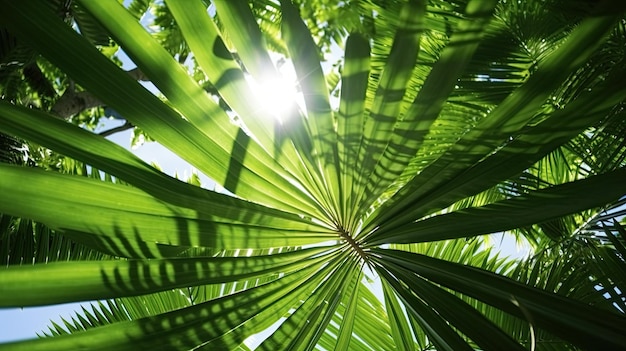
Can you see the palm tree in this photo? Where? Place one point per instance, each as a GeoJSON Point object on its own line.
{"type": "Point", "coordinates": [455, 119]}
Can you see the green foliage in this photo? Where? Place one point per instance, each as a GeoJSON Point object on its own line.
{"type": "Point", "coordinates": [355, 225]}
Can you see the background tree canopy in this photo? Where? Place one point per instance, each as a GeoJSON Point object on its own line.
{"type": "Point", "coordinates": [441, 122]}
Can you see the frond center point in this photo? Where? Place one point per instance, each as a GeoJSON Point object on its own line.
{"type": "Point", "coordinates": [356, 246]}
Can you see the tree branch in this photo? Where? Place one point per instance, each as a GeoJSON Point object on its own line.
{"type": "Point", "coordinates": [72, 103]}
{"type": "Point", "coordinates": [121, 128]}
{"type": "Point", "coordinates": [137, 74]}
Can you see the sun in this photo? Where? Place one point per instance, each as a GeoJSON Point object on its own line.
{"type": "Point", "coordinates": [277, 94]}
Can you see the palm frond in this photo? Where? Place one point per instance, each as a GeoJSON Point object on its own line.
{"type": "Point", "coordinates": [354, 225]}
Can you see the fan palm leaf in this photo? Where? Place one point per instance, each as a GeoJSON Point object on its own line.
{"type": "Point", "coordinates": [454, 120]}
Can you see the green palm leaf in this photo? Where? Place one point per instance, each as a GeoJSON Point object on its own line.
{"type": "Point", "coordinates": [351, 225]}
